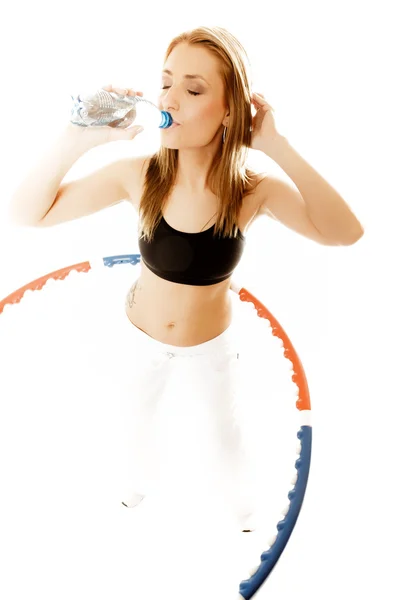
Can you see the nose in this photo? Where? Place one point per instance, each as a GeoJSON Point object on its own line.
{"type": "Point", "coordinates": [169, 99]}
{"type": "Point", "coordinates": [168, 106]}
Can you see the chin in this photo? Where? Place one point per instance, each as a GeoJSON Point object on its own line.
{"type": "Point", "coordinates": [170, 146]}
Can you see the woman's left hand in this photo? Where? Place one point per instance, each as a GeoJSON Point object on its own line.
{"type": "Point", "coordinates": [264, 132]}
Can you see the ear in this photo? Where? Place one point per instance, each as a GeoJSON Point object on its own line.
{"type": "Point", "coordinates": [225, 122]}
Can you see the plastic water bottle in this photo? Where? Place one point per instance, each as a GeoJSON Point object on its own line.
{"type": "Point", "coordinates": [103, 108]}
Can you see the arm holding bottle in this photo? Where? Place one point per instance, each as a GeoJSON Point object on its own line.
{"type": "Point", "coordinates": [42, 200]}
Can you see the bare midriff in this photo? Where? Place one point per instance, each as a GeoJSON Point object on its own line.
{"type": "Point", "coordinates": [178, 314]}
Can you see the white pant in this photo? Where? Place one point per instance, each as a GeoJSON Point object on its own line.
{"type": "Point", "coordinates": [178, 417]}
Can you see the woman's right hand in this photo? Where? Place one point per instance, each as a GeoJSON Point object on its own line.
{"type": "Point", "coordinates": [96, 136]}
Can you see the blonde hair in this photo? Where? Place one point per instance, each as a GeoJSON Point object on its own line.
{"type": "Point", "coordinates": [228, 177]}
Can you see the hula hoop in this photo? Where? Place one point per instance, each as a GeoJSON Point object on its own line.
{"type": "Point", "coordinates": [284, 527]}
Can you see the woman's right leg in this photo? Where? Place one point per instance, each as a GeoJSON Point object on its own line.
{"type": "Point", "coordinates": [139, 403]}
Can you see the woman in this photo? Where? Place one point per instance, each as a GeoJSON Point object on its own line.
{"type": "Point", "coordinates": [196, 200]}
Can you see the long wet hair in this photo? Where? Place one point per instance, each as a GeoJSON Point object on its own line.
{"type": "Point", "coordinates": [228, 177]}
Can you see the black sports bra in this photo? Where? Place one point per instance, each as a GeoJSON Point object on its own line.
{"type": "Point", "coordinates": [191, 258]}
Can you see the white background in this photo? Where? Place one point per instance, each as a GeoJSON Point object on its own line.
{"type": "Point", "coordinates": [329, 70]}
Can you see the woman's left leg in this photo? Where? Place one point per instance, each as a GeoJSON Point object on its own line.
{"type": "Point", "coordinates": [224, 388]}
{"type": "Point", "coordinates": [208, 450]}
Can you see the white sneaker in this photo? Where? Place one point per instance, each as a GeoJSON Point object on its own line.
{"type": "Point", "coordinates": [132, 500]}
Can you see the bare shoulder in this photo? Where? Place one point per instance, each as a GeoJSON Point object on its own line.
{"type": "Point", "coordinates": [259, 182]}
{"type": "Point", "coordinates": [134, 171]}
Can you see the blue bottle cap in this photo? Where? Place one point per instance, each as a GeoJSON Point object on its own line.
{"type": "Point", "coordinates": [166, 119]}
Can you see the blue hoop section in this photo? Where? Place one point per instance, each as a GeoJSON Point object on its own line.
{"type": "Point", "coordinates": [285, 527]}
{"type": "Point", "coordinates": [270, 557]}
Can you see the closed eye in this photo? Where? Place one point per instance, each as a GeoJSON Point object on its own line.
{"type": "Point", "coordinates": [190, 92]}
